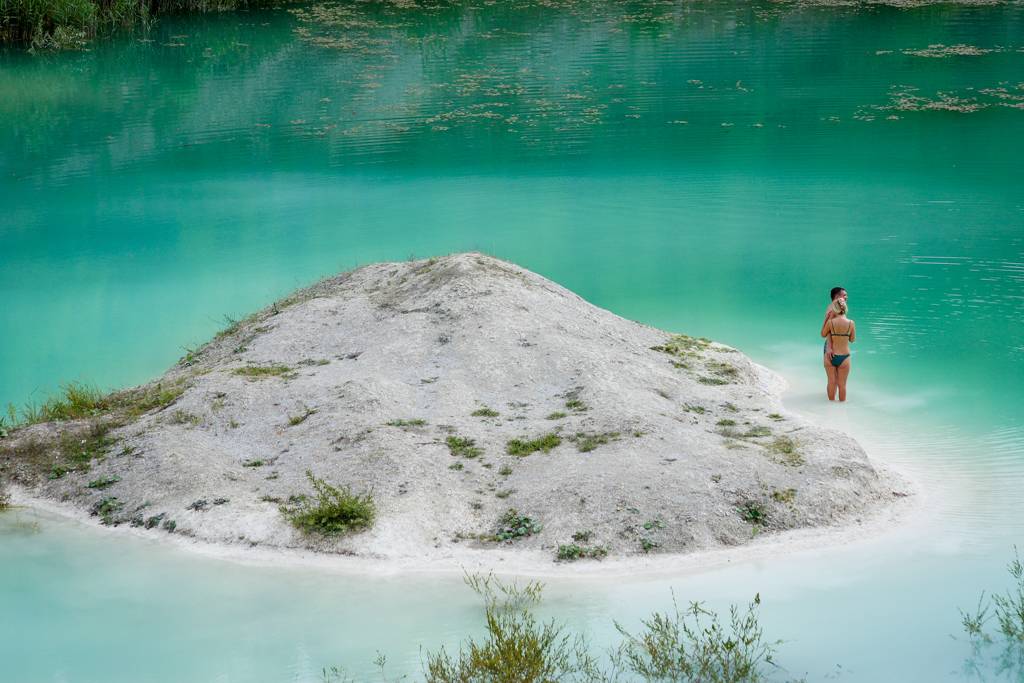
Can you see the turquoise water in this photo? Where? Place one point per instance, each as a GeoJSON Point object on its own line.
{"type": "Point", "coordinates": [707, 168]}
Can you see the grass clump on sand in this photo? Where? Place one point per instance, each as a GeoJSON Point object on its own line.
{"type": "Point", "coordinates": [461, 446]}
{"type": "Point", "coordinates": [542, 443]}
{"type": "Point", "coordinates": [331, 511]}
{"type": "Point", "coordinates": [415, 422]}
{"type": "Point", "coordinates": [103, 482]}
{"type": "Point", "coordinates": [264, 371]}
{"type": "Point", "coordinates": [78, 452]}
{"type": "Point", "coordinates": [5, 498]}
{"type": "Point", "coordinates": [785, 449]}
{"type": "Point", "coordinates": [588, 441]}
{"type": "Point", "coordinates": [485, 412]}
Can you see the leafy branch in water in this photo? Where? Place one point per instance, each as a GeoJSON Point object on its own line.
{"type": "Point", "coordinates": [693, 645]}
{"type": "Point", "coordinates": [675, 647]}
{"type": "Point", "coordinates": [1008, 611]}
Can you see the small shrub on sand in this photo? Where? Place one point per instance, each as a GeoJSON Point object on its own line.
{"type": "Point", "coordinates": [542, 443]}
{"type": "Point", "coordinates": [573, 551]}
{"type": "Point", "coordinates": [461, 446]}
{"type": "Point", "coordinates": [512, 525]}
{"type": "Point", "coordinates": [485, 412]}
{"type": "Point", "coordinates": [331, 511]}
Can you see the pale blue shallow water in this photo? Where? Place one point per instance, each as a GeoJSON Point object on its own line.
{"type": "Point", "coordinates": [149, 189]}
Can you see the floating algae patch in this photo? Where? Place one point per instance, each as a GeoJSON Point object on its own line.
{"type": "Point", "coordinates": [905, 98]}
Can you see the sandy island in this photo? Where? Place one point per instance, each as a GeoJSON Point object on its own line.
{"type": "Point", "coordinates": [451, 391]}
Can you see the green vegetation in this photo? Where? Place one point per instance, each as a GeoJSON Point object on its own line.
{"type": "Point", "coordinates": [505, 470]}
{"type": "Point", "coordinates": [582, 536]}
{"type": "Point", "coordinates": [332, 510]}
{"type": "Point", "coordinates": [294, 420]}
{"type": "Point", "coordinates": [680, 646]}
{"type": "Point", "coordinates": [512, 526]}
{"type": "Point", "coordinates": [684, 346]}
{"type": "Point", "coordinates": [542, 443]}
{"type": "Point", "coordinates": [784, 496]}
{"type": "Point", "coordinates": [775, 416]}
{"type": "Point", "coordinates": [5, 498]}
{"type": "Point", "coordinates": [76, 401]}
{"type": "Point", "coordinates": [648, 544]}
{"type": "Point", "coordinates": [460, 446]}
{"type": "Point", "coordinates": [588, 441]}
{"type": "Point", "coordinates": [1007, 608]}
{"type": "Point", "coordinates": [76, 450]}
{"type": "Point", "coordinates": [753, 513]}
{"type": "Point", "coordinates": [516, 647]}
{"type": "Point", "coordinates": [255, 372]}
{"type": "Point", "coordinates": [786, 449]}
{"type": "Point", "coordinates": [181, 417]}
{"type": "Point", "coordinates": [70, 24]}
{"type": "Point", "coordinates": [572, 552]}
{"type": "Point", "coordinates": [103, 482]}
{"type": "Point", "coordinates": [485, 412]}
{"type": "Point", "coordinates": [757, 431]}
{"type": "Point", "coordinates": [726, 423]}
{"type": "Point", "coordinates": [456, 466]}
{"type": "Point", "coordinates": [106, 509]}
{"type": "Point", "coordinates": [700, 410]}
{"type": "Point", "coordinates": [557, 415]}
{"type": "Point", "coordinates": [415, 422]}
{"type": "Point", "coordinates": [724, 370]}
{"type": "Point", "coordinates": [576, 405]}
{"type": "Point", "coordinates": [693, 645]}
{"type": "Point", "coordinates": [253, 463]}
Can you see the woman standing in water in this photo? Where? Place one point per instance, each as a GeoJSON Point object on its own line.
{"type": "Point", "coordinates": [840, 332]}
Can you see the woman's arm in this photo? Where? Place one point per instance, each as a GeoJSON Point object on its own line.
{"type": "Point", "coordinates": [824, 328]}
{"type": "Point", "coordinates": [853, 332]}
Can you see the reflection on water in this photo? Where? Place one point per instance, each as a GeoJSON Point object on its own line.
{"type": "Point", "coordinates": [703, 167]}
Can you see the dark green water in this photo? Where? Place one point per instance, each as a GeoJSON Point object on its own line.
{"type": "Point", "coordinates": [704, 167]}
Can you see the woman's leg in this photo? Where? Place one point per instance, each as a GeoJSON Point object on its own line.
{"type": "Point", "coordinates": [841, 375]}
{"type": "Point", "coordinates": [830, 373]}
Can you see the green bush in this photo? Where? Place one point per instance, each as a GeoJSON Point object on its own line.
{"type": "Point", "coordinates": [331, 511]}
{"type": "Point", "coordinates": [692, 645]}
{"type": "Point", "coordinates": [516, 648]}
{"type": "Point", "coordinates": [512, 525]}
{"type": "Point", "coordinates": [572, 551]}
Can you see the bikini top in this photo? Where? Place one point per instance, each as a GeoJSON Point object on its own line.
{"type": "Point", "coordinates": [833, 333]}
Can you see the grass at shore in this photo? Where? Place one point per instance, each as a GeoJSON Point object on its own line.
{"type": "Point", "coordinates": [71, 24]}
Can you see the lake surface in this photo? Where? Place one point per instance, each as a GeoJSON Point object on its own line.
{"type": "Point", "coordinates": [702, 167]}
